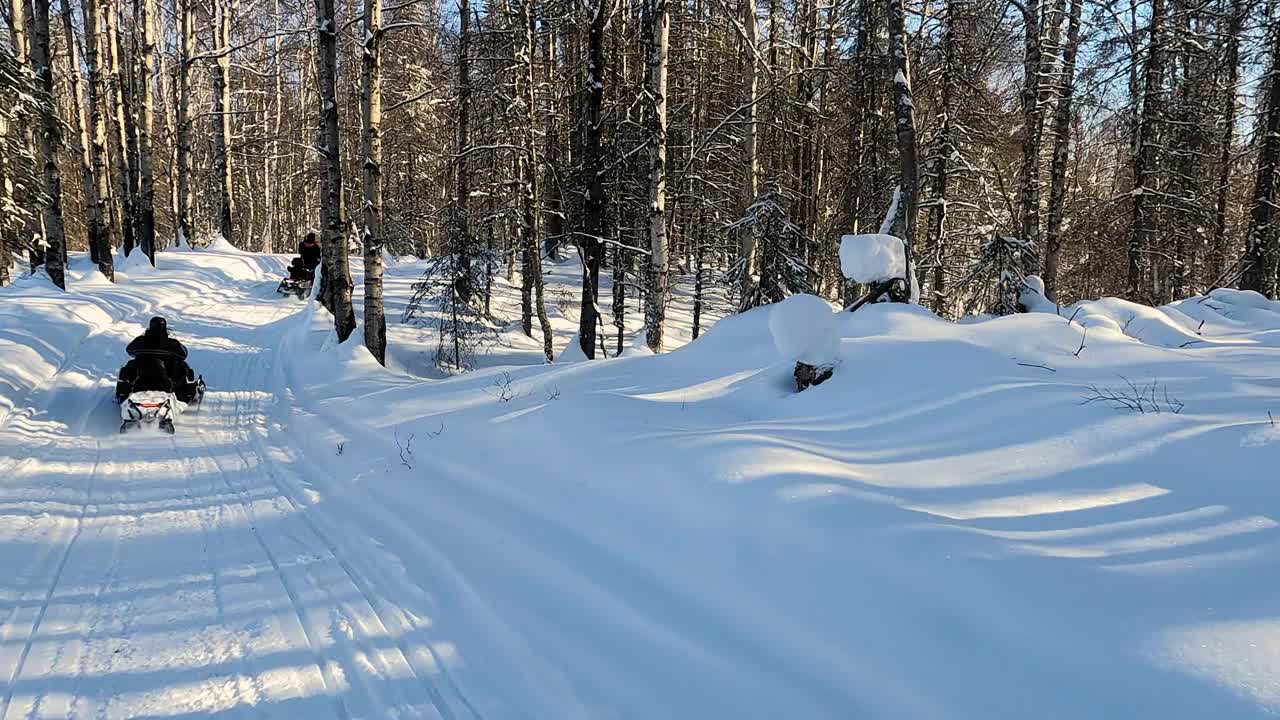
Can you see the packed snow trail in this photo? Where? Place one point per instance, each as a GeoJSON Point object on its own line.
{"type": "Point", "coordinates": [153, 576]}
{"type": "Point", "coordinates": [941, 530]}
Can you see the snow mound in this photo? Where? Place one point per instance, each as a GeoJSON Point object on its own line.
{"type": "Point", "coordinates": [872, 258]}
{"type": "Point", "coordinates": [222, 245]}
{"type": "Point", "coordinates": [1033, 298]}
{"type": "Point", "coordinates": [572, 351]}
{"type": "Point", "coordinates": [804, 330]}
{"type": "Point", "coordinates": [136, 263]}
{"type": "Point", "coordinates": [638, 347]}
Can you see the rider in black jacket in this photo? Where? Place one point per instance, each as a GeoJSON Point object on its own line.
{"type": "Point", "coordinates": [159, 363]}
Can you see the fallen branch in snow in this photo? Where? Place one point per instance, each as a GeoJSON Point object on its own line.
{"type": "Point", "coordinates": [1035, 365]}
{"type": "Point", "coordinates": [405, 449]}
{"type": "Point", "coordinates": [1146, 399]}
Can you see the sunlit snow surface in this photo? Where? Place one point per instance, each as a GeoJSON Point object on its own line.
{"type": "Point", "coordinates": [942, 530]}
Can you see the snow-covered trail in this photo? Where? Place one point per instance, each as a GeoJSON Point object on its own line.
{"type": "Point", "coordinates": [152, 575]}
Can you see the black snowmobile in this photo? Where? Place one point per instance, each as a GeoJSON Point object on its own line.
{"type": "Point", "coordinates": [156, 385]}
{"type": "Point", "coordinates": [302, 270]}
{"type": "Point", "coordinates": [299, 281]}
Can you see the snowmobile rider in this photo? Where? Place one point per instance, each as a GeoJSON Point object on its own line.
{"type": "Point", "coordinates": [159, 363]}
{"type": "Point", "coordinates": [309, 251]}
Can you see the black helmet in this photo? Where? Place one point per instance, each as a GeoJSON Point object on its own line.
{"type": "Point", "coordinates": [159, 327]}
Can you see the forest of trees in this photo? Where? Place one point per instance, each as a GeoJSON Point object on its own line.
{"type": "Point", "coordinates": [1113, 147]}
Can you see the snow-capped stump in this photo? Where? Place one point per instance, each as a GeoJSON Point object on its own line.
{"type": "Point", "coordinates": [804, 330]}
{"type": "Point", "coordinates": [878, 260]}
{"type": "Point", "coordinates": [872, 258]}
{"type": "Point", "coordinates": [1032, 297]}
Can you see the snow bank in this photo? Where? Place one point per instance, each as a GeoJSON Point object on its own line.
{"type": "Point", "coordinates": [135, 264]}
{"type": "Point", "coordinates": [222, 245]}
{"type": "Point", "coordinates": [572, 351]}
{"type": "Point", "coordinates": [804, 330]}
{"type": "Point", "coordinates": [872, 258]}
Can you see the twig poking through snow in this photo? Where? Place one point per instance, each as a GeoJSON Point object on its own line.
{"type": "Point", "coordinates": [406, 449]}
{"type": "Point", "coordinates": [341, 446]}
{"type": "Point", "coordinates": [1083, 335]}
{"type": "Point", "coordinates": [1146, 399]}
{"type": "Point", "coordinates": [1034, 365]}
{"type": "Point", "coordinates": [505, 392]}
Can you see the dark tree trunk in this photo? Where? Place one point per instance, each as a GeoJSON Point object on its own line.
{"type": "Point", "coordinates": [1147, 155]}
{"type": "Point", "coordinates": [1261, 248]}
{"type": "Point", "coordinates": [593, 167]}
{"type": "Point", "coordinates": [1061, 153]}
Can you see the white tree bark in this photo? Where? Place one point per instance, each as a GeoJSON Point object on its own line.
{"type": "Point", "coordinates": [49, 142]}
{"type": "Point", "coordinates": [375, 322]}
{"type": "Point", "coordinates": [659, 280]}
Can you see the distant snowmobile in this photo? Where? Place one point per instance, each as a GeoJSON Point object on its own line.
{"type": "Point", "coordinates": [299, 281]}
{"type": "Point", "coordinates": [157, 385]}
{"type": "Point", "coordinates": [302, 270]}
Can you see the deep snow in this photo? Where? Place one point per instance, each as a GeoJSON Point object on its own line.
{"type": "Point", "coordinates": [942, 530]}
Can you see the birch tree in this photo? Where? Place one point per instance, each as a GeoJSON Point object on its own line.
{"type": "Point", "coordinates": [336, 279]}
{"type": "Point", "coordinates": [658, 285]}
{"type": "Point", "coordinates": [375, 323]}
{"type": "Point", "coordinates": [99, 244]}
{"type": "Point", "coordinates": [904, 112]}
{"type": "Point", "coordinates": [50, 140]}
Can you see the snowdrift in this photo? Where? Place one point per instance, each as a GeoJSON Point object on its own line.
{"type": "Point", "coordinates": [947, 528]}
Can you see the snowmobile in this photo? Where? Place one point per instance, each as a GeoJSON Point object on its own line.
{"type": "Point", "coordinates": [299, 281]}
{"type": "Point", "coordinates": [147, 397]}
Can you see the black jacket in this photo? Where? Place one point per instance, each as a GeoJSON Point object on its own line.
{"type": "Point", "coordinates": [162, 346]}
{"type": "Point", "coordinates": [310, 254]}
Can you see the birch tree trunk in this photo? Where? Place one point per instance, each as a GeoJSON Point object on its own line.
{"type": "Point", "coordinates": [99, 243]}
{"type": "Point", "coordinates": [146, 229]}
{"type": "Point", "coordinates": [1263, 245]}
{"type": "Point", "coordinates": [336, 290]}
{"type": "Point", "coordinates": [85, 152]}
{"type": "Point", "coordinates": [122, 120]}
{"type": "Point", "coordinates": [186, 42]}
{"type": "Point", "coordinates": [222, 115]}
{"type": "Point", "coordinates": [593, 167]}
{"type": "Point", "coordinates": [904, 112]}
{"type": "Point", "coordinates": [1061, 153]}
{"type": "Point", "coordinates": [747, 240]}
{"type": "Point", "coordinates": [20, 36]}
{"type": "Point", "coordinates": [937, 165]}
{"type": "Point", "coordinates": [375, 322]}
{"type": "Point", "coordinates": [50, 138]}
{"type": "Point", "coordinates": [531, 256]}
{"type": "Point", "coordinates": [659, 281]}
{"type": "Point", "coordinates": [1032, 125]}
